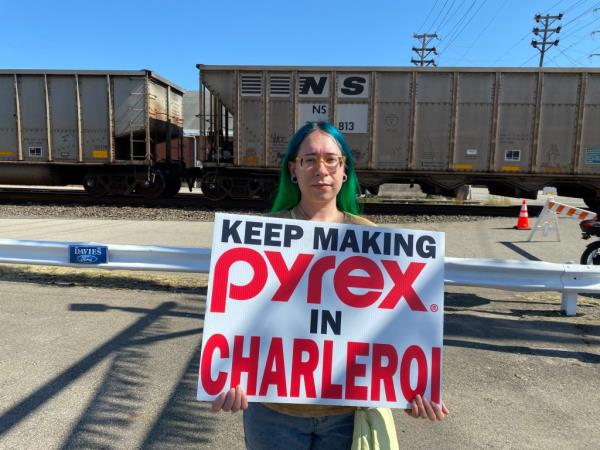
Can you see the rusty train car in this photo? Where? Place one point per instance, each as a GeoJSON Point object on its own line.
{"type": "Point", "coordinates": [114, 132]}
{"type": "Point", "coordinates": [512, 130]}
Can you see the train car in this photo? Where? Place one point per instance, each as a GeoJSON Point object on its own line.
{"type": "Point", "coordinates": [512, 130]}
{"type": "Point", "coordinates": [114, 132]}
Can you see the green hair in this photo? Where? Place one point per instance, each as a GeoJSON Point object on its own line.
{"type": "Point", "coordinates": [288, 192]}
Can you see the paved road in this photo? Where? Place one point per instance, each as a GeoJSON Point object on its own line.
{"type": "Point", "coordinates": [100, 367]}
{"type": "Point", "coordinates": [489, 238]}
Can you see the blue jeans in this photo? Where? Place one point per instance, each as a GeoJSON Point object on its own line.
{"type": "Point", "coordinates": [266, 429]}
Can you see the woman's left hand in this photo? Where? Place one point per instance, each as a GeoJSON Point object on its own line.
{"type": "Point", "coordinates": [421, 407]}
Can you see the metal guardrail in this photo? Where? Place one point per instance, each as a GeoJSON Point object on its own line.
{"type": "Point", "coordinates": [509, 275]}
{"type": "Point", "coordinates": [121, 257]}
{"type": "Point", "coordinates": [532, 276]}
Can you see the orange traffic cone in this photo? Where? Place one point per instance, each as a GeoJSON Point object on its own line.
{"type": "Point", "coordinates": [523, 220]}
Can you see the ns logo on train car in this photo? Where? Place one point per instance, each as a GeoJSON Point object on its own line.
{"type": "Point", "coordinates": [348, 85]}
{"type": "Point", "coordinates": [88, 254]}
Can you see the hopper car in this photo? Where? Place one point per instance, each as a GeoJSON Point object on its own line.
{"type": "Point", "coordinates": [114, 132]}
{"type": "Point", "coordinates": [512, 130]}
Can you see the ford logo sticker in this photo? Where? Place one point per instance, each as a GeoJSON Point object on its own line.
{"type": "Point", "coordinates": [88, 254]}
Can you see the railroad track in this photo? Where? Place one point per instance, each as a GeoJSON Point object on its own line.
{"type": "Point", "coordinates": [80, 197]}
{"type": "Point", "coordinates": [186, 200]}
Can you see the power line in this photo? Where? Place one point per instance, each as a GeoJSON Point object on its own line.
{"type": "Point", "coordinates": [516, 44]}
{"type": "Point", "coordinates": [528, 59]}
{"type": "Point", "coordinates": [554, 6]}
{"type": "Point", "coordinates": [577, 30]}
{"type": "Point", "coordinates": [450, 33]}
{"type": "Point", "coordinates": [512, 48]}
{"type": "Point", "coordinates": [463, 28]}
{"type": "Point", "coordinates": [573, 6]}
{"type": "Point", "coordinates": [572, 32]}
{"type": "Point", "coordinates": [596, 49]}
{"type": "Point", "coordinates": [447, 19]}
{"type": "Point", "coordinates": [582, 14]}
{"type": "Point", "coordinates": [439, 14]}
{"type": "Point", "coordinates": [484, 29]}
{"type": "Point", "coordinates": [573, 61]}
{"type": "Point", "coordinates": [584, 36]}
{"type": "Point", "coordinates": [553, 60]}
{"type": "Point", "coordinates": [428, 15]}
{"type": "Point", "coordinates": [593, 52]}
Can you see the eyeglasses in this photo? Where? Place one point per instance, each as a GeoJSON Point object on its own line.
{"type": "Point", "coordinates": [311, 162]}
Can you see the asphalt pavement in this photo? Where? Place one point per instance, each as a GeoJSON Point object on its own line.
{"type": "Point", "coordinates": [114, 366]}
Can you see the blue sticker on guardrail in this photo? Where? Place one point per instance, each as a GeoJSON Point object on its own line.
{"type": "Point", "coordinates": [88, 254]}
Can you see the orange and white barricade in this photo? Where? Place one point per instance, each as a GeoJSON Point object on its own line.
{"type": "Point", "coordinates": [548, 218]}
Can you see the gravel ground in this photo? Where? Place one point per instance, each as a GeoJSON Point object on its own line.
{"type": "Point", "coordinates": [31, 210]}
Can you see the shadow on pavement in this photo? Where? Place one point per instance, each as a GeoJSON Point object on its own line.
{"type": "Point", "coordinates": [119, 400]}
{"type": "Point", "coordinates": [456, 302]}
{"type": "Point", "coordinates": [53, 387]}
{"type": "Point", "coordinates": [518, 250]}
{"type": "Point", "coordinates": [186, 423]}
{"type": "Point", "coordinates": [183, 422]}
{"type": "Point", "coordinates": [512, 335]}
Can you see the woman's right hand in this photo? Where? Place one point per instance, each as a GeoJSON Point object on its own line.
{"type": "Point", "coordinates": [233, 400]}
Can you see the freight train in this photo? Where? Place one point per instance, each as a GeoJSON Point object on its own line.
{"type": "Point", "coordinates": [512, 130]}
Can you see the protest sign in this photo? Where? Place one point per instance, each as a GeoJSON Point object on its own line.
{"type": "Point", "coordinates": [313, 312]}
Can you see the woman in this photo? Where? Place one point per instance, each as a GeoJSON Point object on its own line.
{"type": "Point", "coordinates": [317, 182]}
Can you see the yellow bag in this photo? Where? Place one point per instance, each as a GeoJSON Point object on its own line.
{"type": "Point", "coordinates": [374, 429]}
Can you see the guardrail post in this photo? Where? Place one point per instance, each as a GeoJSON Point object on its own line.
{"type": "Point", "coordinates": [568, 303]}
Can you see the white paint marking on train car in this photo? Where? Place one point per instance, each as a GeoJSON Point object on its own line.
{"type": "Point", "coordinates": [352, 118]}
{"type": "Point", "coordinates": [312, 112]}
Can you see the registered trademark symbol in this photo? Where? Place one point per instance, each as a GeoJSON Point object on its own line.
{"type": "Point", "coordinates": [433, 308]}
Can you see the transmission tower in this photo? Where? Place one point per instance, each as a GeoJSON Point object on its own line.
{"type": "Point", "coordinates": [546, 33]}
{"type": "Point", "coordinates": [423, 51]}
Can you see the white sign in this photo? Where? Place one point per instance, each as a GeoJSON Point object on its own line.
{"type": "Point", "coordinates": [352, 117]}
{"type": "Point", "coordinates": [312, 112]}
{"type": "Point", "coordinates": [312, 312]}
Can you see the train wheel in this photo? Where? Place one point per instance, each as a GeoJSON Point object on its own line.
{"type": "Point", "coordinates": [152, 188]}
{"type": "Point", "coordinates": [173, 185]}
{"type": "Point", "coordinates": [214, 187]}
{"type": "Point", "coordinates": [94, 186]}
{"type": "Point", "coordinates": [172, 188]}
{"type": "Point", "coordinates": [268, 191]}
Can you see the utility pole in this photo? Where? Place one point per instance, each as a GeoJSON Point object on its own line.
{"type": "Point", "coordinates": [547, 33]}
{"type": "Point", "coordinates": [423, 52]}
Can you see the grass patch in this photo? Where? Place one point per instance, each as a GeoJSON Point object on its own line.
{"type": "Point", "coordinates": [108, 279]}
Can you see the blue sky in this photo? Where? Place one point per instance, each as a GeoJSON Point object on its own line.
{"type": "Point", "coordinates": [172, 36]}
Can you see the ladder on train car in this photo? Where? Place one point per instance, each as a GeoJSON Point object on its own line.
{"type": "Point", "coordinates": [134, 124]}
